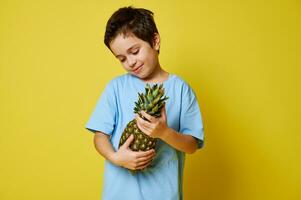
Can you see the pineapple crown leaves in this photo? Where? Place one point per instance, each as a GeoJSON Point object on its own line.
{"type": "Point", "coordinates": [151, 101]}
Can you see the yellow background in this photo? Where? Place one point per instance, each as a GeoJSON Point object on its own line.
{"type": "Point", "coordinates": [242, 58]}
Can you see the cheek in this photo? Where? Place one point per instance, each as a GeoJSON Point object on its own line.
{"type": "Point", "coordinates": [124, 65]}
{"type": "Point", "coordinates": [144, 56]}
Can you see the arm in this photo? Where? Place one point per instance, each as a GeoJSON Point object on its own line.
{"type": "Point", "coordinates": [157, 128]}
{"type": "Point", "coordinates": [123, 157]}
{"type": "Point", "coordinates": [103, 146]}
{"type": "Point", "coordinates": [182, 142]}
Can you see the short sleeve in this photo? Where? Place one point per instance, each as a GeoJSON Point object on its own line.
{"type": "Point", "coordinates": [103, 117]}
{"type": "Point", "coordinates": [190, 118]}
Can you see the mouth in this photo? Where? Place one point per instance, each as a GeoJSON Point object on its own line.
{"type": "Point", "coordinates": [136, 70]}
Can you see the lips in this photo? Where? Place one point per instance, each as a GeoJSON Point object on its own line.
{"type": "Point", "coordinates": [137, 69]}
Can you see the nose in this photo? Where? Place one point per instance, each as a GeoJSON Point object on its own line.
{"type": "Point", "coordinates": [132, 62]}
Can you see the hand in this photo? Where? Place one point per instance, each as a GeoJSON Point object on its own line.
{"type": "Point", "coordinates": [133, 160]}
{"type": "Point", "coordinates": [154, 127]}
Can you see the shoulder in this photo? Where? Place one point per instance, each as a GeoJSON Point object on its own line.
{"type": "Point", "coordinates": [119, 84]}
{"type": "Point", "coordinates": [116, 81]}
{"type": "Point", "coordinates": [120, 79]}
{"type": "Point", "coordinates": [182, 89]}
{"type": "Point", "coordinates": [180, 83]}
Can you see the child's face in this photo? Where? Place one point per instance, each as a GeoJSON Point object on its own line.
{"type": "Point", "coordinates": [136, 56]}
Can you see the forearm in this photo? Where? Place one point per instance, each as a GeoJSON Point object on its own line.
{"type": "Point", "coordinates": [103, 146]}
{"type": "Point", "coordinates": [181, 142]}
{"type": "Point", "coordinates": [157, 128]}
{"type": "Point", "coordinates": [124, 156]}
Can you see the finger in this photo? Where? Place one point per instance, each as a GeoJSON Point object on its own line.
{"type": "Point", "coordinates": [142, 121]}
{"type": "Point", "coordinates": [143, 129]}
{"type": "Point", "coordinates": [142, 126]}
{"type": "Point", "coordinates": [143, 166]}
{"type": "Point", "coordinates": [146, 158]}
{"type": "Point", "coordinates": [143, 163]}
{"type": "Point", "coordinates": [141, 154]}
{"type": "Point", "coordinates": [147, 116]}
{"type": "Point", "coordinates": [142, 117]}
{"type": "Point", "coordinates": [128, 142]}
{"type": "Point", "coordinates": [163, 112]}
{"type": "Point", "coordinates": [147, 126]}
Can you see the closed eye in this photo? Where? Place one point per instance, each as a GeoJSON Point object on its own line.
{"type": "Point", "coordinates": [136, 52]}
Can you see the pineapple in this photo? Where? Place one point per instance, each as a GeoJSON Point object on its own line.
{"type": "Point", "coordinates": [151, 102]}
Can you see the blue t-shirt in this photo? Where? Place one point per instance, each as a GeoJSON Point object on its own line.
{"type": "Point", "coordinates": [162, 179]}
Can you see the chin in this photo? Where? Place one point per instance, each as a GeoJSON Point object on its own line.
{"type": "Point", "coordinates": [143, 76]}
{"type": "Point", "coordinates": [140, 75]}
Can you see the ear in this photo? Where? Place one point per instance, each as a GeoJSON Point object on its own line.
{"type": "Point", "coordinates": [156, 41]}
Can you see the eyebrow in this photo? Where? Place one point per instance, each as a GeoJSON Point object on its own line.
{"type": "Point", "coordinates": [128, 49]}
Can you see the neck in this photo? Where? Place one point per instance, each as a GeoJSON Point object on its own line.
{"type": "Point", "coordinates": [157, 76]}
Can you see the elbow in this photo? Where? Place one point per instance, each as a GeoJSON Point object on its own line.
{"type": "Point", "coordinates": [191, 151]}
{"type": "Point", "coordinates": [193, 146]}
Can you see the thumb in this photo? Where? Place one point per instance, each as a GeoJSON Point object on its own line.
{"type": "Point", "coordinates": [128, 141]}
{"type": "Point", "coordinates": [163, 111]}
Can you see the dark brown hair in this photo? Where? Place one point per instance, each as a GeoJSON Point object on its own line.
{"type": "Point", "coordinates": [130, 20]}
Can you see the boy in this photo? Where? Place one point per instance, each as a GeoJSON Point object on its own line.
{"type": "Point", "coordinates": [132, 37]}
